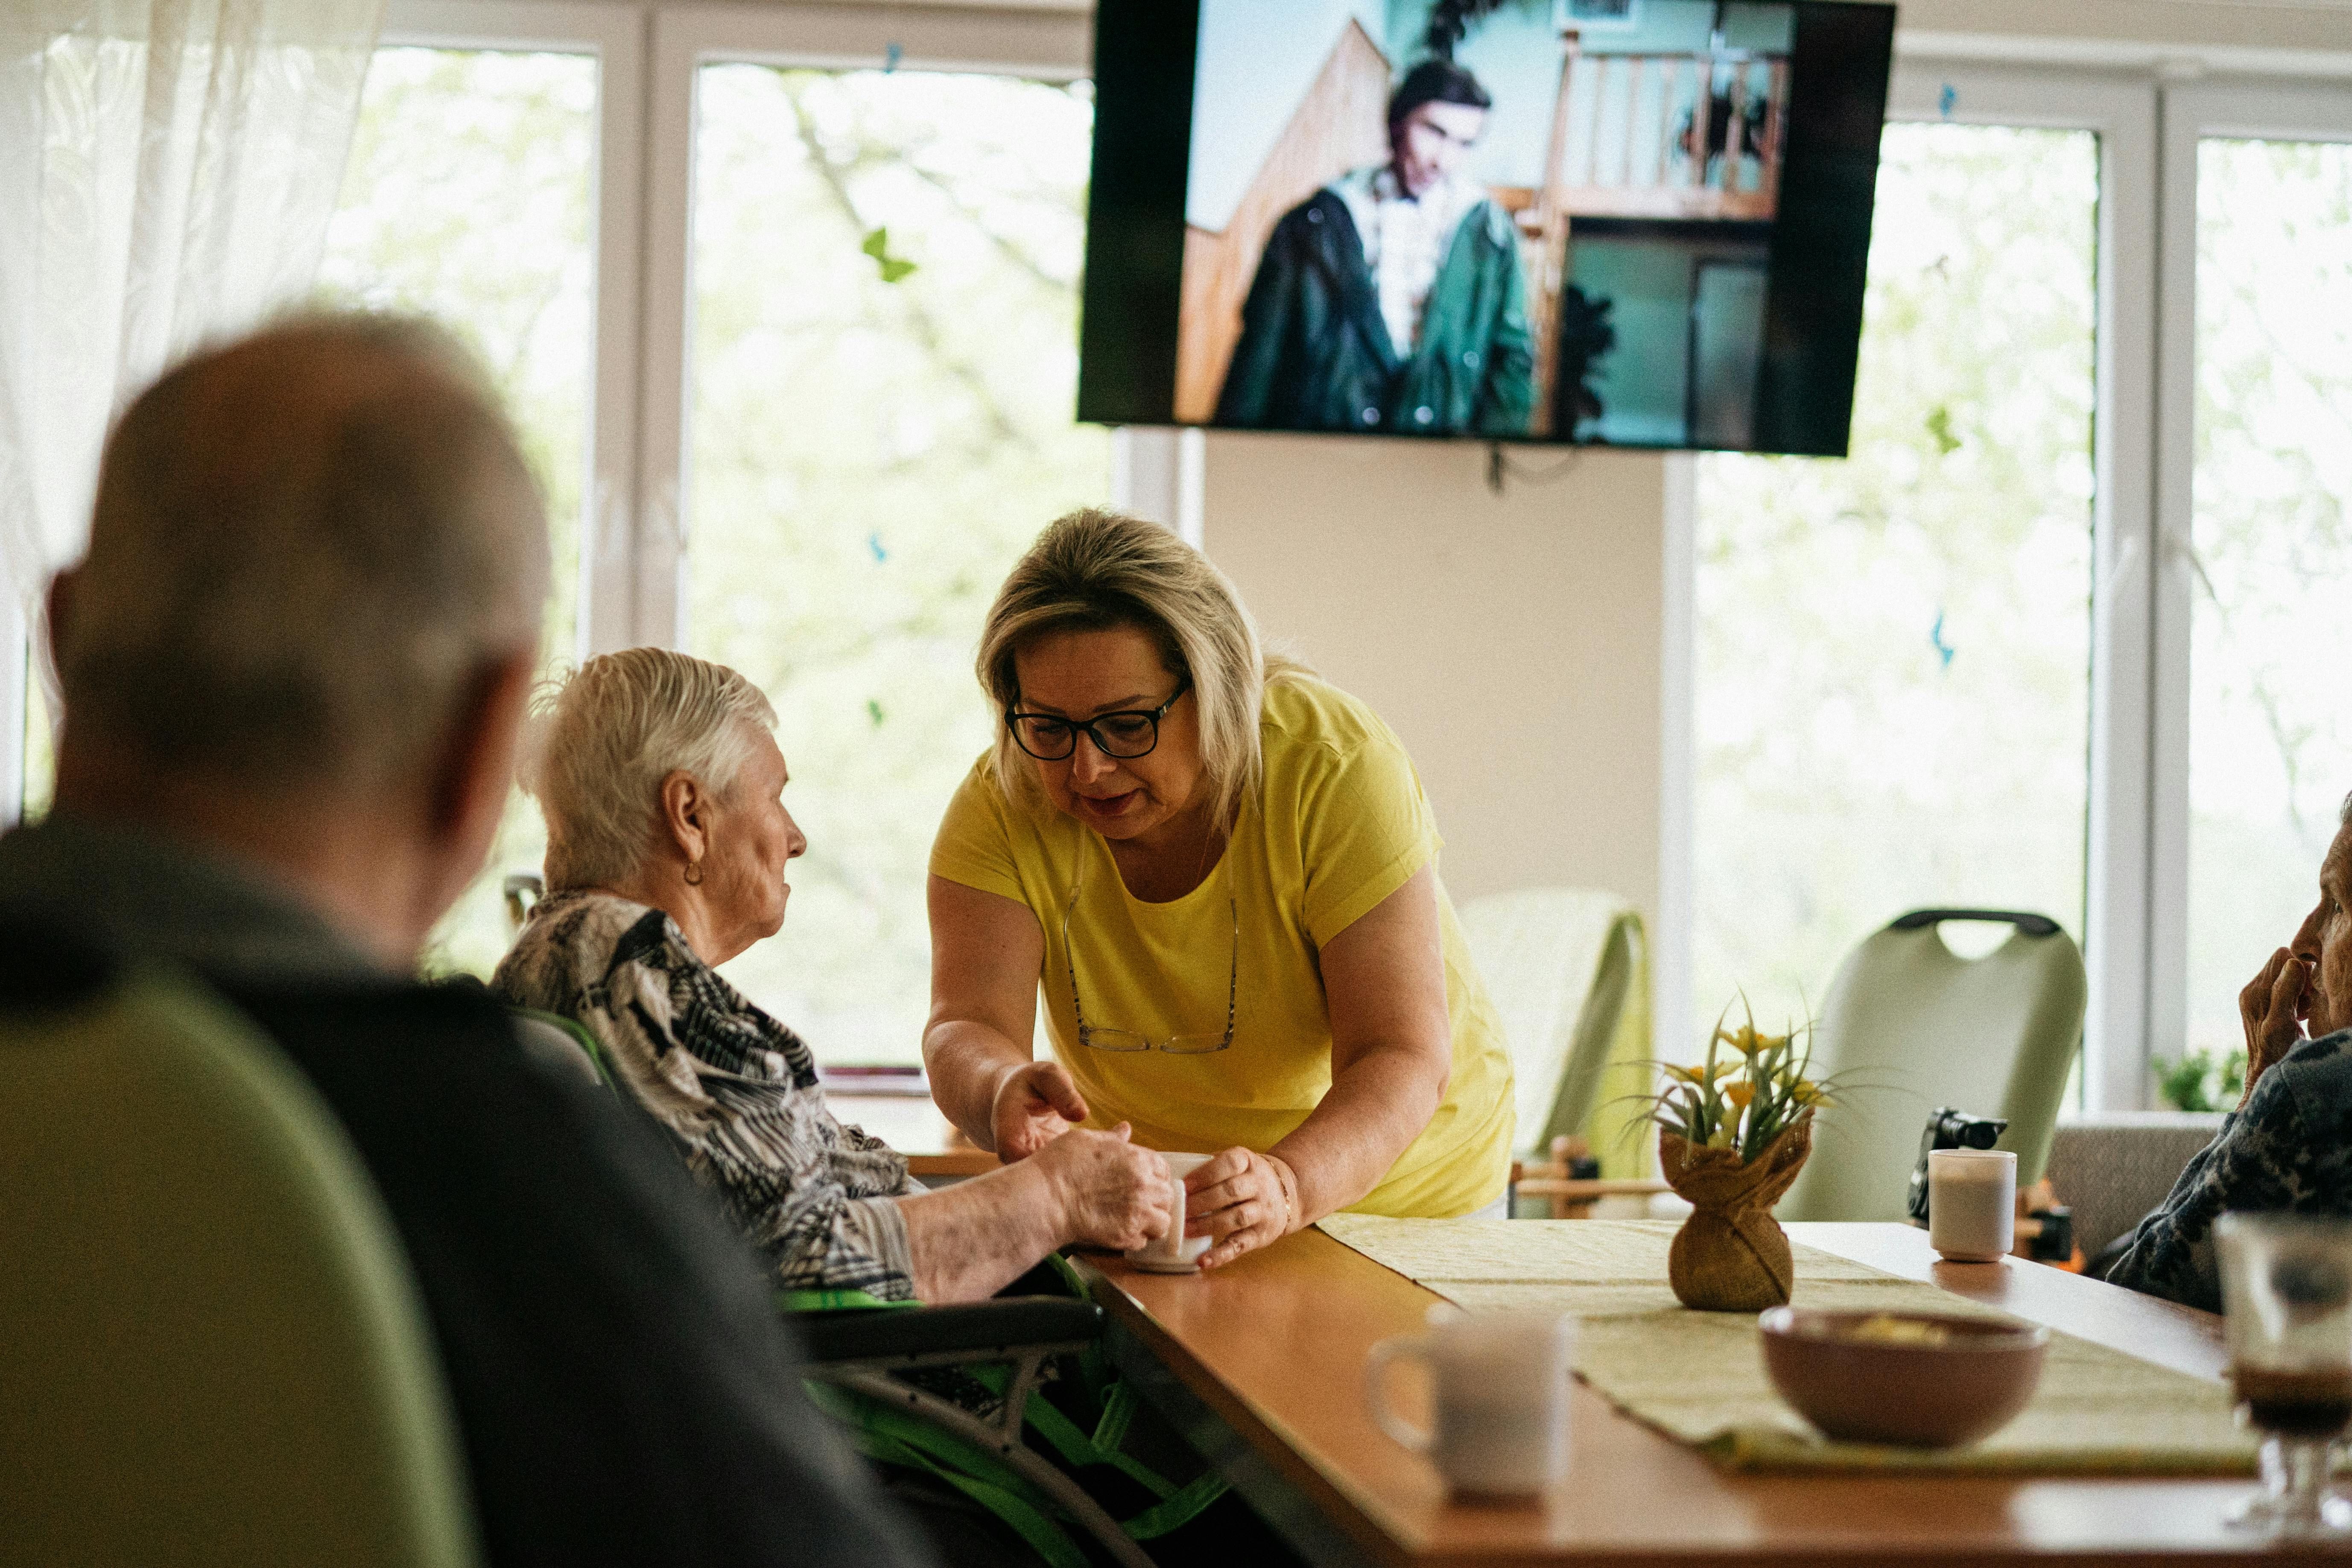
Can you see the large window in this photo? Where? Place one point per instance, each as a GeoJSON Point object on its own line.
{"type": "Point", "coordinates": [1893, 651]}
{"type": "Point", "coordinates": [885, 268]}
{"type": "Point", "coordinates": [2271, 713]}
{"type": "Point", "coordinates": [784, 293]}
{"type": "Point", "coordinates": [469, 196]}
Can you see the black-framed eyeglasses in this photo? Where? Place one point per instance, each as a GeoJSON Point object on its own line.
{"type": "Point", "coordinates": [1127, 734]}
{"type": "Point", "coordinates": [1136, 1039]}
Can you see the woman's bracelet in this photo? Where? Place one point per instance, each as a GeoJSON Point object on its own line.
{"type": "Point", "coordinates": [1287, 1180]}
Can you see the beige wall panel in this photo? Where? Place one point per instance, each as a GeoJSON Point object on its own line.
{"type": "Point", "coordinates": [1513, 642]}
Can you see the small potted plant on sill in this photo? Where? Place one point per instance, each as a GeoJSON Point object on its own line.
{"type": "Point", "coordinates": [1733, 1135]}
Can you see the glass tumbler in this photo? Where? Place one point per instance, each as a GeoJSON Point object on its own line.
{"type": "Point", "coordinates": [2286, 1286]}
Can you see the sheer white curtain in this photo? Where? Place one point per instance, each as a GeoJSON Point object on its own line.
{"type": "Point", "coordinates": [167, 169]}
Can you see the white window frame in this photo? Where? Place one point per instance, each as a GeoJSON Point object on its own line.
{"type": "Point", "coordinates": [2286, 111]}
{"type": "Point", "coordinates": [1045, 46]}
{"type": "Point", "coordinates": [633, 543]}
{"type": "Point", "coordinates": [617, 37]}
{"type": "Point", "coordinates": [2120, 109]}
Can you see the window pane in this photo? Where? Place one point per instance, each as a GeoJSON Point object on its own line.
{"type": "Point", "coordinates": [469, 196]}
{"type": "Point", "coordinates": [1894, 650]}
{"type": "Point", "coordinates": [868, 459]}
{"type": "Point", "coordinates": [2270, 727]}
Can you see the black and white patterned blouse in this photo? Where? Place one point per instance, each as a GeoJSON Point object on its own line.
{"type": "Point", "coordinates": [2289, 1150]}
{"type": "Point", "coordinates": [738, 1090]}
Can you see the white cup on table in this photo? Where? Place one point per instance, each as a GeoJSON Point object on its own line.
{"type": "Point", "coordinates": [1972, 1204]}
{"type": "Point", "coordinates": [1500, 1395]}
{"type": "Point", "coordinates": [1175, 1253]}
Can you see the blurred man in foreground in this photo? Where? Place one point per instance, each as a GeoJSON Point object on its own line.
{"type": "Point", "coordinates": [294, 661]}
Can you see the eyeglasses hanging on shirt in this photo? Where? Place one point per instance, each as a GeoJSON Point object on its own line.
{"type": "Point", "coordinates": [1109, 1040]}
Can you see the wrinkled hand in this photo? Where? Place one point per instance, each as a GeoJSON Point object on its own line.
{"type": "Point", "coordinates": [2273, 1006]}
{"type": "Point", "coordinates": [1034, 1105]}
{"type": "Point", "coordinates": [1242, 1199]}
{"type": "Point", "coordinates": [1112, 1193]}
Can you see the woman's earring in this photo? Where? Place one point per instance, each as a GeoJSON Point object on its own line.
{"type": "Point", "coordinates": [694, 873]}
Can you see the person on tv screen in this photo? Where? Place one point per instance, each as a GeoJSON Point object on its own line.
{"type": "Point", "coordinates": [1391, 299]}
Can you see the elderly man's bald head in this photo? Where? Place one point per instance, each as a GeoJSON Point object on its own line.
{"type": "Point", "coordinates": [308, 547]}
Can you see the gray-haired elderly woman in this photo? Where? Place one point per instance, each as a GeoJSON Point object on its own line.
{"type": "Point", "coordinates": [668, 842]}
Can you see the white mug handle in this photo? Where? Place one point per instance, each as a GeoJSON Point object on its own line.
{"type": "Point", "coordinates": [1403, 1433]}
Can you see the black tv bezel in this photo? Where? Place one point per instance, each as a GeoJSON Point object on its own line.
{"type": "Point", "coordinates": [1146, 54]}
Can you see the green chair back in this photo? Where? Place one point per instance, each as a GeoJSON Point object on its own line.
{"type": "Point", "coordinates": [211, 1350]}
{"type": "Point", "coordinates": [1568, 970]}
{"type": "Point", "coordinates": [1912, 1025]}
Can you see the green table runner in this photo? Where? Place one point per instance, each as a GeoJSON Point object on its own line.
{"type": "Point", "coordinates": [1699, 1376]}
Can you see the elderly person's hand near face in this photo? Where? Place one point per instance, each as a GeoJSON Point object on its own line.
{"type": "Point", "coordinates": [667, 847]}
{"type": "Point", "coordinates": [2304, 992]}
{"type": "Point", "coordinates": [2288, 1146]}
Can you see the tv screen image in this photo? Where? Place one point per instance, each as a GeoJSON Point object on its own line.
{"type": "Point", "coordinates": [1638, 223]}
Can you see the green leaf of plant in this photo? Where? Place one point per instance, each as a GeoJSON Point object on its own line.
{"type": "Point", "coordinates": [878, 246]}
{"type": "Point", "coordinates": [1939, 426]}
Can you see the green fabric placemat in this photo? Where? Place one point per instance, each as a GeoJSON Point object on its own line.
{"type": "Point", "coordinates": [1699, 1377]}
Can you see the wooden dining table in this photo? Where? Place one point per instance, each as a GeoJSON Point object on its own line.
{"type": "Point", "coordinates": [1261, 1365]}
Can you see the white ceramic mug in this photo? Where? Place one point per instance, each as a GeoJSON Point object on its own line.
{"type": "Point", "coordinates": [1501, 1398]}
{"type": "Point", "coordinates": [1175, 1253]}
{"type": "Point", "coordinates": [1972, 1204]}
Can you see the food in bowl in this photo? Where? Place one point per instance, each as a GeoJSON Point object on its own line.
{"type": "Point", "coordinates": [1887, 1329]}
{"type": "Point", "coordinates": [1916, 1380]}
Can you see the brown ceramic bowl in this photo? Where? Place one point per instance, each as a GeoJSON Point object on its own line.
{"type": "Point", "coordinates": [1913, 1379]}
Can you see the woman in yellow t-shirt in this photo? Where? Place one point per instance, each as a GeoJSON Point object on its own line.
{"type": "Point", "coordinates": [1220, 873]}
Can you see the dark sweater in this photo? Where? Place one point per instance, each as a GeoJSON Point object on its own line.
{"type": "Point", "coordinates": [624, 1388]}
{"type": "Point", "coordinates": [2289, 1150]}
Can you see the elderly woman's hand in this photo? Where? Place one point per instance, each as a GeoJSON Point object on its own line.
{"type": "Point", "coordinates": [2273, 1006]}
{"type": "Point", "coordinates": [1035, 1103]}
{"type": "Point", "coordinates": [1112, 1193]}
{"type": "Point", "coordinates": [1241, 1199]}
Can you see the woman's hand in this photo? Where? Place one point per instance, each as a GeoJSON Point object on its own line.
{"type": "Point", "coordinates": [2273, 1006]}
{"type": "Point", "coordinates": [1035, 1103]}
{"type": "Point", "coordinates": [1111, 1192]}
{"type": "Point", "coordinates": [1242, 1199]}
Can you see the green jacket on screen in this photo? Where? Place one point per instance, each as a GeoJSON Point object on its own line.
{"type": "Point", "coordinates": [1315, 352]}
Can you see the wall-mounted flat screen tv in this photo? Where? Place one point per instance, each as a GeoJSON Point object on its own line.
{"type": "Point", "coordinates": [1634, 223]}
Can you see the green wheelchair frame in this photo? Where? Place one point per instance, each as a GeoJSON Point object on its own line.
{"type": "Point", "coordinates": [858, 1350]}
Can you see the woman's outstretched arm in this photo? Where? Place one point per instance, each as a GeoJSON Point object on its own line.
{"type": "Point", "coordinates": [1091, 1189]}
{"type": "Point", "coordinates": [986, 953]}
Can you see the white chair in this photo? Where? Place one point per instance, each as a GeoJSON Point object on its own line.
{"type": "Point", "coordinates": [1911, 1026]}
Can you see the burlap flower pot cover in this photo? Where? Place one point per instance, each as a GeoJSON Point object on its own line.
{"type": "Point", "coordinates": [1731, 1254]}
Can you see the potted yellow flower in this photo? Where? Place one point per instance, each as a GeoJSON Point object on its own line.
{"type": "Point", "coordinates": [1733, 1134]}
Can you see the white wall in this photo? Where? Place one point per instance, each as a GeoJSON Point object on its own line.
{"type": "Point", "coordinates": [1513, 642]}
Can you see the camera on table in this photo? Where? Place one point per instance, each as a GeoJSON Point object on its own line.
{"type": "Point", "coordinates": [1949, 1128]}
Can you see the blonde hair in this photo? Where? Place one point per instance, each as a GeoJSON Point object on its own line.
{"type": "Point", "coordinates": [1095, 569]}
{"type": "Point", "coordinates": [605, 737]}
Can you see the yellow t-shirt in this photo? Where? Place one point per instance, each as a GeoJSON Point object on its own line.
{"type": "Point", "coordinates": [1339, 825]}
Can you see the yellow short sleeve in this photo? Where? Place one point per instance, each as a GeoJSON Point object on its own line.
{"type": "Point", "coordinates": [1365, 827]}
{"type": "Point", "coordinates": [974, 847]}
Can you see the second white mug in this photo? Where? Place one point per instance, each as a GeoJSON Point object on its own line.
{"type": "Point", "coordinates": [1972, 1204]}
{"type": "Point", "coordinates": [1501, 1398]}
